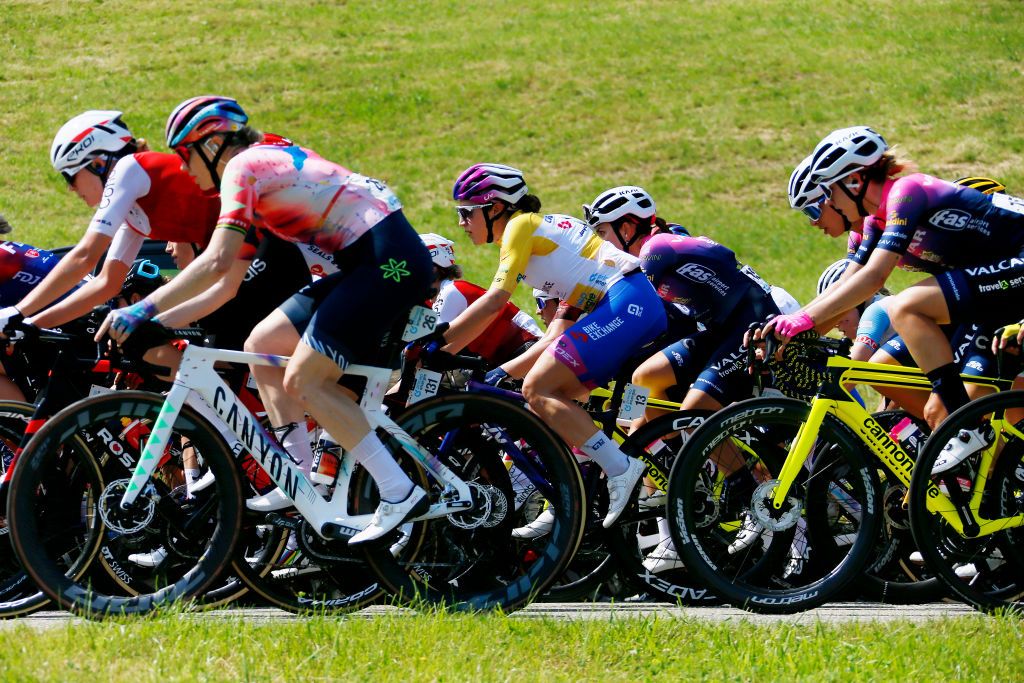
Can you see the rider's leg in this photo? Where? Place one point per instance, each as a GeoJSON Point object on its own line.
{"type": "Point", "coordinates": [916, 314]}
{"type": "Point", "coordinates": [657, 374]}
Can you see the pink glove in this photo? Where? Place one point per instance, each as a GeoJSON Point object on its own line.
{"type": "Point", "coordinates": [793, 324]}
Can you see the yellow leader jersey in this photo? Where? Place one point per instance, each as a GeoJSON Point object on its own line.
{"type": "Point", "coordinates": [561, 256]}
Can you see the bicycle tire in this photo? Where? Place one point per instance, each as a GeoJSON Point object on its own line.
{"type": "Point", "coordinates": [18, 595]}
{"type": "Point", "coordinates": [472, 563]}
{"type": "Point", "coordinates": [779, 572]}
{"type": "Point", "coordinates": [635, 535]}
{"type": "Point", "coordinates": [991, 567]}
{"type": "Point", "coordinates": [199, 533]}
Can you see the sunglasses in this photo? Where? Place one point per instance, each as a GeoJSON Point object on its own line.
{"type": "Point", "coordinates": [98, 167]}
{"type": "Point", "coordinates": [466, 211]}
{"type": "Point", "coordinates": [813, 210]}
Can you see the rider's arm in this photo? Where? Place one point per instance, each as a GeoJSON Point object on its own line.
{"type": "Point", "coordinates": [85, 298]}
{"type": "Point", "coordinates": [128, 182]}
{"type": "Point", "coordinates": [209, 267]}
{"type": "Point", "coordinates": [844, 295]}
{"type": "Point", "coordinates": [68, 272]}
{"type": "Point", "coordinates": [209, 301]}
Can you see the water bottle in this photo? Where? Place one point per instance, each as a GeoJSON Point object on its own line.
{"type": "Point", "coordinates": [326, 457]}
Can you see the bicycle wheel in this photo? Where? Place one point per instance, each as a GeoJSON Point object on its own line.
{"type": "Point", "coordinates": [733, 539]}
{"type": "Point", "coordinates": [985, 570]}
{"type": "Point", "coordinates": [62, 505]}
{"type": "Point", "coordinates": [639, 541]}
{"type": "Point", "coordinates": [284, 561]}
{"type": "Point", "coordinates": [480, 559]}
{"type": "Point", "coordinates": [18, 595]}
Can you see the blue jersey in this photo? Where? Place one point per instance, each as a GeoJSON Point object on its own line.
{"type": "Point", "coordinates": [22, 267]}
{"type": "Point", "coordinates": [936, 226]}
{"type": "Point", "coordinates": [701, 275]}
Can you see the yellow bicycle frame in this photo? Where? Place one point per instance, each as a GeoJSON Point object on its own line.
{"type": "Point", "coordinates": [836, 400]}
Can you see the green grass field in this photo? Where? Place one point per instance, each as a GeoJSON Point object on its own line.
{"type": "Point", "coordinates": [495, 648]}
{"type": "Point", "coordinates": [708, 105]}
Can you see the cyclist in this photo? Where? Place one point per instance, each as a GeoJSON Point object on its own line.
{"type": "Point", "coordinates": [511, 333]}
{"type": "Point", "coordinates": [561, 256]}
{"type": "Point", "coordinates": [136, 193]}
{"type": "Point", "coordinates": [270, 184]}
{"type": "Point", "coordinates": [970, 243]}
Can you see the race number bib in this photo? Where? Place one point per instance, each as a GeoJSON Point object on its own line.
{"type": "Point", "coordinates": [634, 402]}
{"type": "Point", "coordinates": [422, 322]}
{"type": "Point", "coordinates": [426, 385]}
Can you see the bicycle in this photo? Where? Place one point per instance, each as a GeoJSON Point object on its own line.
{"type": "Point", "coordinates": [603, 553]}
{"type": "Point", "coordinates": [459, 553]}
{"type": "Point", "coordinates": [776, 503]}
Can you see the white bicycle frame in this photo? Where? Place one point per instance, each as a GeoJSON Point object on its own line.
{"type": "Point", "coordinates": [328, 517]}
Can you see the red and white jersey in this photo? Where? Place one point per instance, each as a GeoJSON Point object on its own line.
{"type": "Point", "coordinates": [148, 195]}
{"type": "Point", "coordinates": [503, 337]}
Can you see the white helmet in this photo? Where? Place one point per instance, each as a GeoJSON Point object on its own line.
{"type": "Point", "coordinates": [831, 274]}
{"type": "Point", "coordinates": [87, 136]}
{"type": "Point", "coordinates": [803, 194]}
{"type": "Point", "coordinates": [613, 204]}
{"type": "Point", "coordinates": [844, 152]}
{"type": "Point", "coordinates": [442, 251]}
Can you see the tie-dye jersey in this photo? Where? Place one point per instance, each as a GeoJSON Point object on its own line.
{"type": "Point", "coordinates": [560, 256]}
{"type": "Point", "coordinates": [938, 226]}
{"type": "Point", "coordinates": [700, 274]}
{"type": "Point", "coordinates": [300, 196]}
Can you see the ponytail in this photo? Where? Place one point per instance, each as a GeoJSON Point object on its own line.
{"type": "Point", "coordinates": [529, 203]}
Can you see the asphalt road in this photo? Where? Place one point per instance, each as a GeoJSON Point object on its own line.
{"type": "Point", "coordinates": [833, 613]}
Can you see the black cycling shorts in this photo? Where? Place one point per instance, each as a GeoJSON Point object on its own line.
{"type": "Point", "coordinates": [345, 315]}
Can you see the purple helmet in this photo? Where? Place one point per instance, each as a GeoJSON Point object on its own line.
{"type": "Point", "coordinates": [481, 183]}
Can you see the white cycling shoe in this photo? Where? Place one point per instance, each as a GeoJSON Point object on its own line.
{"type": "Point", "coordinates": [389, 516]}
{"type": "Point", "coordinates": [966, 443]}
{"type": "Point", "coordinates": [541, 526]}
{"type": "Point", "coordinates": [269, 502]}
{"type": "Point", "coordinates": [663, 558]}
{"type": "Point", "coordinates": [202, 483]}
{"type": "Point", "coordinates": [149, 560]}
{"type": "Point", "coordinates": [749, 533]}
{"type": "Point", "coordinates": [620, 488]}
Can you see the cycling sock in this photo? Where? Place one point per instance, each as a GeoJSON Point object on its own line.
{"type": "Point", "coordinates": [394, 484]}
{"type": "Point", "coordinates": [947, 385]}
{"type": "Point", "coordinates": [604, 452]}
{"type": "Point", "coordinates": [295, 439]}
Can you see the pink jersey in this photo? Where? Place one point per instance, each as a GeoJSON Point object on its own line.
{"type": "Point", "coordinates": [300, 196]}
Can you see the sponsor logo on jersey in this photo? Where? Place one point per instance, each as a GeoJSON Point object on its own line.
{"type": "Point", "coordinates": [635, 309]}
{"type": "Point", "coordinates": [32, 253]}
{"type": "Point", "coordinates": [1005, 264]}
{"type": "Point", "coordinates": [565, 225]}
{"type": "Point", "coordinates": [950, 219]}
{"type": "Point", "coordinates": [596, 331]}
{"type": "Point", "coordinates": [695, 272]}
{"type": "Point", "coordinates": [27, 278]}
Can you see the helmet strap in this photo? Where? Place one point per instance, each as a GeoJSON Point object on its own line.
{"type": "Point", "coordinates": [489, 222]}
{"type": "Point", "coordinates": [211, 164]}
{"type": "Point", "coordinates": [858, 198]}
{"type": "Point", "coordinates": [637, 234]}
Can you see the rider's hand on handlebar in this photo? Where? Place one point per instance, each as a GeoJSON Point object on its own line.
{"type": "Point", "coordinates": [9, 315]}
{"type": "Point", "coordinates": [1008, 339]}
{"type": "Point", "coordinates": [121, 323]}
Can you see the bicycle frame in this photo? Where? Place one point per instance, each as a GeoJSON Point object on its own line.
{"type": "Point", "coordinates": [328, 517]}
{"type": "Point", "coordinates": [833, 398]}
